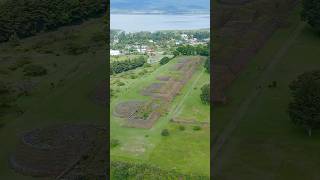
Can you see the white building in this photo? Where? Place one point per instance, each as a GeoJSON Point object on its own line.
{"type": "Point", "coordinates": [184, 36]}
{"type": "Point", "coordinates": [115, 52]}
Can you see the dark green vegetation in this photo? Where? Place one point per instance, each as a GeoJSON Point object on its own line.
{"type": "Point", "coordinates": [189, 50]}
{"type": "Point", "coordinates": [66, 93]}
{"type": "Point", "coordinates": [205, 94]}
{"type": "Point", "coordinates": [265, 143]}
{"type": "Point", "coordinates": [24, 18]}
{"type": "Point", "coordinates": [159, 37]}
{"type": "Point", "coordinates": [165, 132]}
{"type": "Point", "coordinates": [304, 110]}
{"type": "Point", "coordinates": [126, 65]}
{"type": "Point", "coordinates": [164, 60]}
{"type": "Point", "coordinates": [207, 65]}
{"type": "Point", "coordinates": [131, 171]}
{"type": "Point", "coordinates": [311, 13]}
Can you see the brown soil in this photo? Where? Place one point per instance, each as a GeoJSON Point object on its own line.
{"type": "Point", "coordinates": [144, 115]}
{"type": "Point", "coordinates": [126, 109]}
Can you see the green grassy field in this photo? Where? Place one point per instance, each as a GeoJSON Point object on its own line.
{"type": "Point", "coordinates": [147, 145]}
{"type": "Point", "coordinates": [266, 145]}
{"type": "Point", "coordinates": [70, 101]}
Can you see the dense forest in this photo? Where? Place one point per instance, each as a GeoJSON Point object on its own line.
{"type": "Point", "coordinates": [24, 18]}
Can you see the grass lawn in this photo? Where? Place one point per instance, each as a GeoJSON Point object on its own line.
{"type": "Point", "coordinates": [266, 145]}
{"type": "Point", "coordinates": [147, 145]}
{"type": "Point", "coordinates": [70, 102]}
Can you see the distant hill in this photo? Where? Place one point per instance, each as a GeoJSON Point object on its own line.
{"type": "Point", "coordinates": [160, 6]}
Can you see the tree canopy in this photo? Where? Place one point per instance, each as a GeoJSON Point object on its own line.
{"type": "Point", "coordinates": [205, 94]}
{"type": "Point", "coordinates": [24, 18]}
{"type": "Point", "coordinates": [304, 109]}
{"type": "Point", "coordinates": [311, 13]}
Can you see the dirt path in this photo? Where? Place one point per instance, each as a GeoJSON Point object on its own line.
{"type": "Point", "coordinates": [178, 108]}
{"type": "Point", "coordinates": [244, 107]}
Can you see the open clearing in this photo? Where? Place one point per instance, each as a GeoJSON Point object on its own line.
{"type": "Point", "coordinates": [147, 145]}
{"type": "Point", "coordinates": [265, 144]}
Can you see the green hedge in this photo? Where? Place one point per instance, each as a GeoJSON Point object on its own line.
{"type": "Point", "coordinates": [133, 171]}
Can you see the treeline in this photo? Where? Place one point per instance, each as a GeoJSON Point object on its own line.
{"type": "Point", "coordinates": [144, 37]}
{"type": "Point", "coordinates": [188, 50]}
{"type": "Point", "coordinates": [126, 170]}
{"type": "Point", "coordinates": [24, 18]}
{"type": "Point", "coordinates": [126, 65]}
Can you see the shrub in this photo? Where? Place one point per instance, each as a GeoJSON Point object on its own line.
{"type": "Point", "coordinates": [196, 128]}
{"type": "Point", "coordinates": [164, 60]}
{"type": "Point", "coordinates": [181, 128]}
{"type": "Point", "coordinates": [114, 143]}
{"type": "Point", "coordinates": [205, 94]}
{"type": "Point", "coordinates": [165, 132]}
{"type": "Point", "coordinates": [132, 76]}
{"type": "Point", "coordinates": [34, 70]}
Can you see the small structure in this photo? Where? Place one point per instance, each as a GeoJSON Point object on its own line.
{"type": "Point", "coordinates": [115, 52]}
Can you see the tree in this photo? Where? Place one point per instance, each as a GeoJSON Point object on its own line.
{"type": "Point", "coordinates": [311, 13]}
{"type": "Point", "coordinates": [304, 109]}
{"type": "Point", "coordinates": [175, 53]}
{"type": "Point", "coordinates": [207, 65]}
{"type": "Point", "coordinates": [205, 94]}
{"type": "Point", "coordinates": [165, 132]}
{"type": "Point", "coordinates": [164, 60]}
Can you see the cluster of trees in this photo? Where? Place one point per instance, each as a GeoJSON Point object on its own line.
{"type": "Point", "coordinates": [164, 60]}
{"type": "Point", "coordinates": [23, 18]}
{"type": "Point", "coordinates": [201, 35]}
{"type": "Point", "coordinates": [144, 37]}
{"type": "Point", "coordinates": [126, 65]}
{"type": "Point", "coordinates": [205, 94]}
{"type": "Point", "coordinates": [304, 109]}
{"type": "Point", "coordinates": [311, 13]}
{"type": "Point", "coordinates": [127, 170]}
{"type": "Point", "coordinates": [188, 50]}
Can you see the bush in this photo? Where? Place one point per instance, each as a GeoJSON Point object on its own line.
{"type": "Point", "coordinates": [165, 132]}
{"type": "Point", "coordinates": [181, 128]}
{"type": "Point", "coordinates": [164, 60]}
{"type": "Point", "coordinates": [205, 94]}
{"type": "Point", "coordinates": [114, 143]}
{"type": "Point", "coordinates": [132, 76]}
{"type": "Point", "coordinates": [34, 70]}
{"type": "Point", "coordinates": [196, 128]}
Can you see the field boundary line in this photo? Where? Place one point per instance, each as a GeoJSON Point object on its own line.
{"type": "Point", "coordinates": [244, 106]}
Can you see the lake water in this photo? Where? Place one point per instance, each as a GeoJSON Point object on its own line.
{"type": "Point", "coordinates": [156, 22]}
